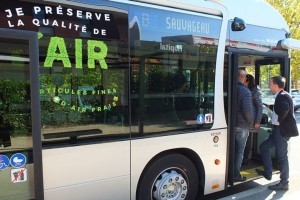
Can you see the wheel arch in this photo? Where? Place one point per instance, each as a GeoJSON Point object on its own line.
{"type": "Point", "coordinates": [190, 154]}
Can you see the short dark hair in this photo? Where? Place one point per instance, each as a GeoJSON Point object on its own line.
{"type": "Point", "coordinates": [279, 80]}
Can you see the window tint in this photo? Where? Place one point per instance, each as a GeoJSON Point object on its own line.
{"type": "Point", "coordinates": [84, 69]}
{"type": "Point", "coordinates": [15, 108]}
{"type": "Point", "coordinates": [84, 77]}
{"type": "Point", "coordinates": [15, 119]}
{"type": "Point", "coordinates": [173, 66]}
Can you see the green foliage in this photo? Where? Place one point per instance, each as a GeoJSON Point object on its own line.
{"type": "Point", "coordinates": [59, 116]}
{"type": "Point", "coordinates": [289, 9]}
{"type": "Point", "coordinates": [266, 72]}
{"type": "Point", "coordinates": [15, 107]}
{"type": "Point", "coordinates": [90, 77]}
{"type": "Point", "coordinates": [74, 116]}
{"type": "Point", "coordinates": [154, 79]}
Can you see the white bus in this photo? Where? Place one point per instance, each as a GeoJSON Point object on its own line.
{"type": "Point", "coordinates": [124, 99]}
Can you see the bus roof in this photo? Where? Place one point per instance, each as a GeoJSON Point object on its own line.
{"type": "Point", "coordinates": [255, 12]}
{"type": "Point", "coordinates": [260, 13]}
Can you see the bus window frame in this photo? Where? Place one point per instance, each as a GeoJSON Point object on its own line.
{"type": "Point", "coordinates": [32, 38]}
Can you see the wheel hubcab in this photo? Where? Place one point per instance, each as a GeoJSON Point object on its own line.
{"type": "Point", "coordinates": [170, 186]}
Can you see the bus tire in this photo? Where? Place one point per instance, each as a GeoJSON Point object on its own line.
{"type": "Point", "coordinates": [169, 177]}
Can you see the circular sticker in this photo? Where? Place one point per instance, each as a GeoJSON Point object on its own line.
{"type": "Point", "coordinates": [4, 162]}
{"type": "Point", "coordinates": [18, 160]}
{"type": "Point", "coordinates": [200, 119]}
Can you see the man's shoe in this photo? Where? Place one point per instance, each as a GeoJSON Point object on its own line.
{"type": "Point", "coordinates": [279, 186]}
{"type": "Point", "coordinates": [264, 174]}
{"type": "Point", "coordinates": [240, 179]}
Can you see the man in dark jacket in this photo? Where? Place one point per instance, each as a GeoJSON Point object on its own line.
{"type": "Point", "coordinates": [244, 118]}
{"type": "Point", "coordinates": [284, 127]}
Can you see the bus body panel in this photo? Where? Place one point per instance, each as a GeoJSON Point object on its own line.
{"type": "Point", "coordinates": [104, 166]}
{"type": "Point", "coordinates": [143, 150]}
{"type": "Point", "coordinates": [117, 189]}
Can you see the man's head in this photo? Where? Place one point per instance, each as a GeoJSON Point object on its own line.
{"type": "Point", "coordinates": [276, 84]}
{"type": "Point", "coordinates": [250, 81]}
{"type": "Point", "coordinates": [242, 75]}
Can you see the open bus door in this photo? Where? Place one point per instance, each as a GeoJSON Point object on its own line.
{"type": "Point", "coordinates": [230, 80]}
{"type": "Point", "coordinates": [264, 70]}
{"type": "Point", "coordinates": [20, 142]}
{"type": "Point", "coordinates": [262, 66]}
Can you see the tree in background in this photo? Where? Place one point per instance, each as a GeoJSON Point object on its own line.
{"type": "Point", "coordinates": [290, 11]}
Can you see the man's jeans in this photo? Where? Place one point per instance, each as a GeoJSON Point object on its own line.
{"type": "Point", "coordinates": [241, 135]}
{"type": "Point", "coordinates": [281, 145]}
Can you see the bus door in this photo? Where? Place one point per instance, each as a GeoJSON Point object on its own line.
{"type": "Point", "coordinates": [265, 68]}
{"type": "Point", "coordinates": [262, 67]}
{"type": "Point", "coordinates": [230, 83]}
{"type": "Point", "coordinates": [20, 155]}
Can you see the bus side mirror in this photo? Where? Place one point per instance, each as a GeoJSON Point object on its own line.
{"type": "Point", "coordinates": [264, 119]}
{"type": "Point", "coordinates": [238, 24]}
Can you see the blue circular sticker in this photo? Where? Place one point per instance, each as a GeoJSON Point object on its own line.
{"type": "Point", "coordinates": [18, 160]}
{"type": "Point", "coordinates": [200, 119]}
{"type": "Point", "coordinates": [4, 162]}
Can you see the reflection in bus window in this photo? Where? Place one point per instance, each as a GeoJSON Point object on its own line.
{"type": "Point", "coordinates": [172, 81]}
{"type": "Point", "coordinates": [83, 81]}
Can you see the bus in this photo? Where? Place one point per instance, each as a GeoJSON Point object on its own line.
{"type": "Point", "coordinates": [130, 99]}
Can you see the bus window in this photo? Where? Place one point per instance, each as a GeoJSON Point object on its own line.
{"type": "Point", "coordinates": [172, 78]}
{"type": "Point", "coordinates": [84, 79]}
{"type": "Point", "coordinates": [266, 72]}
{"type": "Point", "coordinates": [16, 144]}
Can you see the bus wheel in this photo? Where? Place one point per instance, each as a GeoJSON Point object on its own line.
{"type": "Point", "coordinates": [169, 177]}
